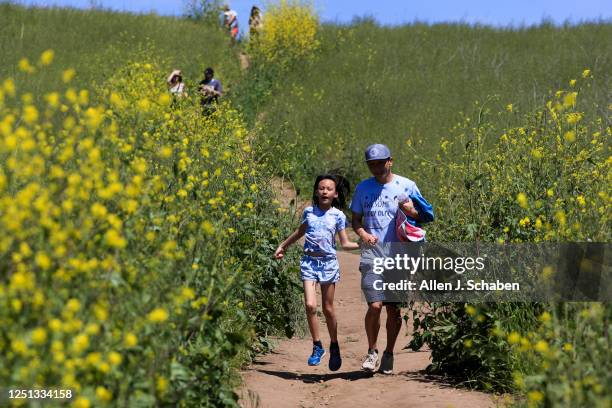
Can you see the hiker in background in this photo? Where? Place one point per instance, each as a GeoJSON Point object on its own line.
{"type": "Point", "coordinates": [255, 22]}
{"type": "Point", "coordinates": [230, 20]}
{"type": "Point", "coordinates": [175, 84]}
{"type": "Point", "coordinates": [210, 88]}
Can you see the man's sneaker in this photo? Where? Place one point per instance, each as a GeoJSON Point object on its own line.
{"type": "Point", "coordinates": [386, 363]}
{"type": "Point", "coordinates": [317, 354]}
{"type": "Point", "coordinates": [369, 364]}
{"type": "Point", "coordinates": [335, 361]}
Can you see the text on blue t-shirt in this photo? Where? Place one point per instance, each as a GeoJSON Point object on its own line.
{"type": "Point", "coordinates": [378, 203]}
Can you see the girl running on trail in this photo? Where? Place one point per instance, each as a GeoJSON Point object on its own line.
{"type": "Point", "coordinates": [320, 224]}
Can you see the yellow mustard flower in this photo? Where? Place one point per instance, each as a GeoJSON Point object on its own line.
{"type": "Point", "coordinates": [114, 358]}
{"type": "Point", "coordinates": [570, 136]}
{"type": "Point", "coordinates": [46, 58]}
{"type": "Point", "coordinates": [161, 384]}
{"type": "Point", "coordinates": [80, 343]}
{"type": "Point", "coordinates": [19, 346]}
{"type": "Point", "coordinates": [158, 315]}
{"type": "Point", "coordinates": [522, 201]}
{"type": "Point", "coordinates": [24, 66]}
{"type": "Point", "coordinates": [30, 114]}
{"type": "Point", "coordinates": [114, 239]}
{"type": "Point", "coordinates": [535, 396]}
{"type": "Point", "coordinates": [81, 402]}
{"type": "Point", "coordinates": [103, 394]}
{"type": "Point", "coordinates": [569, 100]}
{"type": "Point", "coordinates": [68, 75]}
{"type": "Point", "coordinates": [130, 340]}
{"type": "Point", "coordinates": [9, 87]}
{"type": "Point", "coordinates": [73, 305]}
{"type": "Point", "coordinates": [541, 346]}
{"type": "Point", "coordinates": [39, 336]}
{"type": "Point", "coordinates": [545, 317]}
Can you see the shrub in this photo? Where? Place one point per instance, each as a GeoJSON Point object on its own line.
{"type": "Point", "coordinates": [288, 35]}
{"type": "Point", "coordinates": [545, 180]}
{"type": "Point", "coordinates": [126, 274]}
{"type": "Point", "coordinates": [567, 351]}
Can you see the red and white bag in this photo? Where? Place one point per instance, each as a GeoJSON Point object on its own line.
{"type": "Point", "coordinates": [406, 232]}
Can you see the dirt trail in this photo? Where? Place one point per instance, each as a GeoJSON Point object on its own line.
{"type": "Point", "coordinates": [244, 61]}
{"type": "Point", "coordinates": [283, 379]}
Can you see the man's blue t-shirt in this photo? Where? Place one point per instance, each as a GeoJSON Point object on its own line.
{"type": "Point", "coordinates": [378, 203]}
{"type": "Point", "coordinates": [214, 84]}
{"type": "Point", "coordinates": [322, 225]}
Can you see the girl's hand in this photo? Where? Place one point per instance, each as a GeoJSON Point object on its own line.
{"type": "Point", "coordinates": [347, 244]}
{"type": "Point", "coordinates": [280, 252]}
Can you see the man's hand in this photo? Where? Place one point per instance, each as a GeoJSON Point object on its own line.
{"type": "Point", "coordinates": [408, 208]}
{"type": "Point", "coordinates": [368, 239]}
{"type": "Point", "coordinates": [208, 90]}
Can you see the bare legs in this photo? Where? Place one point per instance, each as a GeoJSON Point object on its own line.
{"type": "Point", "coordinates": [327, 294]}
{"type": "Point", "coordinates": [394, 325]}
{"type": "Point", "coordinates": [310, 303]}
{"type": "Point", "coordinates": [372, 325]}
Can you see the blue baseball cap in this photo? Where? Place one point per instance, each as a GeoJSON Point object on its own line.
{"type": "Point", "coordinates": [377, 152]}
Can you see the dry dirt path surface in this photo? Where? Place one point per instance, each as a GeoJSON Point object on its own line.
{"type": "Point", "coordinates": [283, 379]}
{"type": "Point", "coordinates": [244, 61]}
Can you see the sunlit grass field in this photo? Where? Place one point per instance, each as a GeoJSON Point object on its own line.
{"type": "Point", "coordinates": [134, 246]}
{"type": "Point", "coordinates": [97, 43]}
{"type": "Point", "coordinates": [507, 132]}
{"type": "Point", "coordinates": [137, 235]}
{"type": "Point", "coordinates": [405, 84]}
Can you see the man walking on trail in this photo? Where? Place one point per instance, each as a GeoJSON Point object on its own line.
{"type": "Point", "coordinates": [210, 89]}
{"type": "Point", "coordinates": [230, 18]}
{"type": "Point", "coordinates": [374, 207]}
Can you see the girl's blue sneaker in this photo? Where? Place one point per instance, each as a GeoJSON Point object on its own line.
{"type": "Point", "coordinates": [317, 355]}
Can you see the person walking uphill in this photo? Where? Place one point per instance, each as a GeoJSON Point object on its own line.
{"type": "Point", "coordinates": [230, 19]}
{"type": "Point", "coordinates": [320, 224]}
{"type": "Point", "coordinates": [255, 22]}
{"type": "Point", "coordinates": [175, 84]}
{"type": "Point", "coordinates": [375, 205]}
{"type": "Point", "coordinates": [210, 88]}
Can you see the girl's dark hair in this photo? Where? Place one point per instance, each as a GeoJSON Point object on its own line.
{"type": "Point", "coordinates": [342, 188]}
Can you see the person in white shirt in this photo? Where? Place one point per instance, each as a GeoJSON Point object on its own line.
{"type": "Point", "coordinates": [175, 83]}
{"type": "Point", "coordinates": [230, 18]}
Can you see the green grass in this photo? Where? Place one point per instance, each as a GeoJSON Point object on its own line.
{"type": "Point", "coordinates": [412, 87]}
{"type": "Point", "coordinates": [368, 84]}
{"type": "Point", "coordinates": [390, 85]}
{"type": "Point", "coordinates": [237, 311]}
{"type": "Point", "coordinates": [97, 43]}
